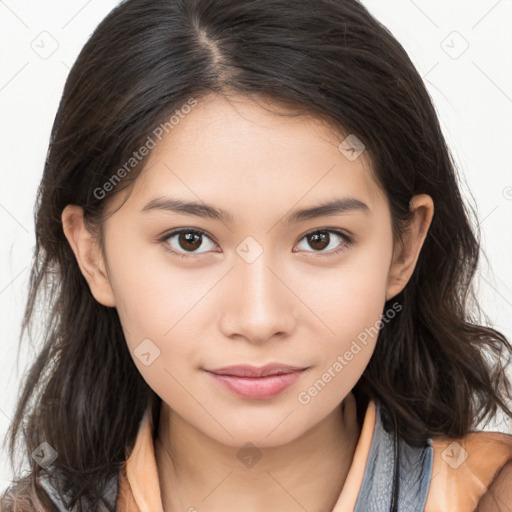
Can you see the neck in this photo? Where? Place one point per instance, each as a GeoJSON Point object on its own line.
{"type": "Point", "coordinates": [198, 473]}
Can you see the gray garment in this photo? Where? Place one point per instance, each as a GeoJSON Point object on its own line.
{"type": "Point", "coordinates": [415, 469]}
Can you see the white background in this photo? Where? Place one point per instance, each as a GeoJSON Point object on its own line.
{"type": "Point", "coordinates": [472, 94]}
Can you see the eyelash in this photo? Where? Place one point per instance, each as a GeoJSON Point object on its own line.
{"type": "Point", "coordinates": [347, 241]}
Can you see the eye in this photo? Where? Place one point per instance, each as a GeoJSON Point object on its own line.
{"type": "Point", "coordinates": [321, 239]}
{"type": "Point", "coordinates": [185, 240]}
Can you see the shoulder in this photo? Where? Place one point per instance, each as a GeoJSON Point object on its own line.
{"type": "Point", "coordinates": [465, 469]}
{"type": "Point", "coordinates": [23, 495]}
{"type": "Point", "coordinates": [498, 498]}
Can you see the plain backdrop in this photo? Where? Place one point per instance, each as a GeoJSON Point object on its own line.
{"type": "Point", "coordinates": [463, 51]}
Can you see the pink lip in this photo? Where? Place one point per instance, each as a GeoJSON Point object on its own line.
{"type": "Point", "coordinates": [257, 383]}
{"type": "Point", "coordinates": [246, 370]}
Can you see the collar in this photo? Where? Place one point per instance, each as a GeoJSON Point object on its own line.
{"type": "Point", "coordinates": [140, 489]}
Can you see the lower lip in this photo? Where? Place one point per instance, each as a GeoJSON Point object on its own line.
{"type": "Point", "coordinates": [258, 387]}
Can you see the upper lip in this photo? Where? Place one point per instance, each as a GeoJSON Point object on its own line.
{"type": "Point", "coordinates": [244, 370]}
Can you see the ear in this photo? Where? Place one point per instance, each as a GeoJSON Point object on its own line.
{"type": "Point", "coordinates": [88, 254]}
{"type": "Point", "coordinates": [406, 253]}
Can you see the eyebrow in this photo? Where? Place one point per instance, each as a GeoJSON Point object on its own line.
{"type": "Point", "coordinates": [332, 207]}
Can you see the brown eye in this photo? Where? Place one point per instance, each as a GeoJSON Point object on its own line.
{"type": "Point", "coordinates": [319, 240]}
{"type": "Point", "coordinates": [186, 240]}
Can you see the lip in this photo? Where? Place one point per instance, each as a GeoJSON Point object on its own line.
{"type": "Point", "coordinates": [246, 370]}
{"type": "Point", "coordinates": [257, 382]}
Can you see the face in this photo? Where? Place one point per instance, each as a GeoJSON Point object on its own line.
{"type": "Point", "coordinates": [257, 284]}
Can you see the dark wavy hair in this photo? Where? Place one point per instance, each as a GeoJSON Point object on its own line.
{"type": "Point", "coordinates": [435, 370]}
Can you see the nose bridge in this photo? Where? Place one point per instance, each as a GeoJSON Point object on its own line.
{"type": "Point", "coordinates": [260, 306]}
{"type": "Point", "coordinates": [253, 270]}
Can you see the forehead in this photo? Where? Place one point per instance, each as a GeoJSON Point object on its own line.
{"type": "Point", "coordinates": [238, 152]}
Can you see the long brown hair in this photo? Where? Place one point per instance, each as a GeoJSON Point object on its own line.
{"type": "Point", "coordinates": [435, 370]}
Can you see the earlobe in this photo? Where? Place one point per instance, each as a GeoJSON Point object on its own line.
{"type": "Point", "coordinates": [406, 253]}
{"type": "Point", "coordinates": [88, 254]}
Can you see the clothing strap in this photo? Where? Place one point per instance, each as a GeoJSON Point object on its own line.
{"type": "Point", "coordinates": [415, 470]}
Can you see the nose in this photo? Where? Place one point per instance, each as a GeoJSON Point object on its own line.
{"type": "Point", "coordinates": [260, 305]}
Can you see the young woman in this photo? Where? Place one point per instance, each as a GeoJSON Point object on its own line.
{"type": "Point", "coordinates": [256, 266]}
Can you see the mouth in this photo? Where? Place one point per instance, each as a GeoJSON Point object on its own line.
{"type": "Point", "coordinates": [257, 383]}
{"type": "Point", "coordinates": [246, 370]}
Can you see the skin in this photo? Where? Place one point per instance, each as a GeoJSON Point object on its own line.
{"type": "Point", "coordinates": [498, 498]}
{"type": "Point", "coordinates": [293, 304]}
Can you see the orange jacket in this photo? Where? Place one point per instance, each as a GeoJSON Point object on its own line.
{"type": "Point", "coordinates": [462, 470]}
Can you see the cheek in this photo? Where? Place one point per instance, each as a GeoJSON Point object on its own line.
{"type": "Point", "coordinates": [350, 297]}
{"type": "Point", "coordinates": [159, 305]}
{"type": "Point", "coordinates": [152, 295]}
{"type": "Point", "coordinates": [349, 303]}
